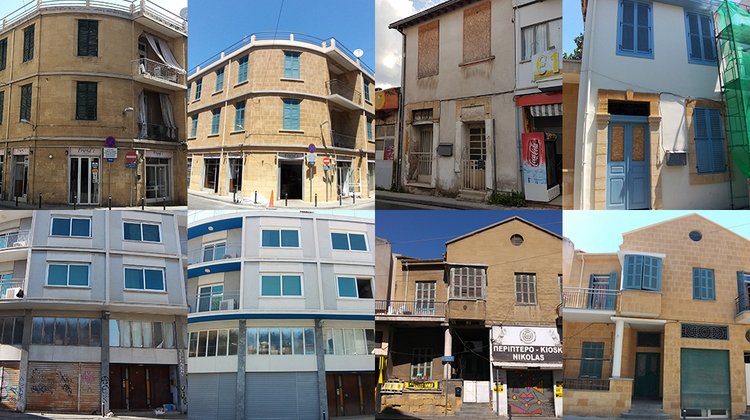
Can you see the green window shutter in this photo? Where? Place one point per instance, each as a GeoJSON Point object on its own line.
{"type": "Point", "coordinates": [86, 101]}
{"type": "Point", "coordinates": [28, 43]}
{"type": "Point", "coordinates": [88, 38]}
{"type": "Point", "coordinates": [291, 65]}
{"type": "Point", "coordinates": [242, 74]}
{"type": "Point", "coordinates": [220, 79]}
{"type": "Point", "coordinates": [3, 53]}
{"type": "Point", "coordinates": [291, 114]}
{"type": "Point", "coordinates": [239, 116]}
{"type": "Point", "coordinates": [2, 106]}
{"type": "Point", "coordinates": [633, 272]}
{"type": "Point", "coordinates": [704, 379]}
{"type": "Point", "coordinates": [215, 121]}
{"type": "Point", "coordinates": [25, 103]}
{"type": "Point", "coordinates": [592, 355]}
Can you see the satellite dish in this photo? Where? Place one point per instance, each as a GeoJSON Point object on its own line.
{"type": "Point", "coordinates": [358, 53]}
{"type": "Point", "coordinates": [183, 13]}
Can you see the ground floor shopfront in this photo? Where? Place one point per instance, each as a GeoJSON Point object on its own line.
{"type": "Point", "coordinates": [296, 174]}
{"type": "Point", "coordinates": [90, 172]}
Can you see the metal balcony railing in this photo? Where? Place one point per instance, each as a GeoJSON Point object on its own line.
{"type": "Point", "coordinates": [157, 132]}
{"type": "Point", "coordinates": [586, 384]}
{"type": "Point", "coordinates": [227, 301]}
{"type": "Point", "coordinates": [403, 308]}
{"type": "Point", "coordinates": [595, 299]}
{"type": "Point", "coordinates": [125, 8]}
{"type": "Point", "coordinates": [741, 304]}
{"type": "Point", "coordinates": [161, 71]}
{"type": "Point", "coordinates": [343, 140]}
{"type": "Point", "coordinates": [14, 239]}
{"type": "Point", "coordinates": [215, 252]}
{"type": "Point", "coordinates": [341, 88]}
{"type": "Point", "coordinates": [9, 286]}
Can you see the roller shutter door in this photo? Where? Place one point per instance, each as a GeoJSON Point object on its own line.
{"type": "Point", "coordinates": [63, 387]}
{"type": "Point", "coordinates": [281, 395]}
{"type": "Point", "coordinates": [8, 385]}
{"type": "Point", "coordinates": [211, 396]}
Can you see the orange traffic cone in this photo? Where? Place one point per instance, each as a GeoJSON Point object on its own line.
{"type": "Point", "coordinates": [270, 205]}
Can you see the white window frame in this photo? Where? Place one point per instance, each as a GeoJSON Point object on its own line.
{"type": "Point", "coordinates": [213, 244]}
{"type": "Point", "coordinates": [279, 229]}
{"type": "Point", "coordinates": [516, 291]}
{"type": "Point", "coordinates": [67, 277]}
{"type": "Point", "coordinates": [211, 295]}
{"type": "Point", "coordinates": [140, 223]}
{"type": "Point", "coordinates": [356, 278]}
{"type": "Point", "coordinates": [452, 285]}
{"type": "Point", "coordinates": [281, 286]}
{"type": "Point", "coordinates": [143, 273]}
{"type": "Point", "coordinates": [349, 241]}
{"type": "Point", "coordinates": [423, 353]}
{"type": "Point", "coordinates": [70, 218]}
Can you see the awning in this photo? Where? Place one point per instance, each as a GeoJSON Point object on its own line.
{"type": "Point", "coordinates": [552, 110]}
{"type": "Point", "coordinates": [161, 48]}
{"type": "Point", "coordinates": [539, 99]}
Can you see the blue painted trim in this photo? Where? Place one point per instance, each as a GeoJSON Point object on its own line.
{"type": "Point", "coordinates": [216, 226]}
{"type": "Point", "coordinates": [700, 61]}
{"type": "Point", "coordinates": [239, 316]}
{"type": "Point", "coordinates": [214, 268]}
{"type": "Point", "coordinates": [628, 118]}
{"type": "Point", "coordinates": [635, 52]}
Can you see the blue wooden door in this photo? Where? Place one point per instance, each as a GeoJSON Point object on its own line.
{"type": "Point", "coordinates": [628, 175]}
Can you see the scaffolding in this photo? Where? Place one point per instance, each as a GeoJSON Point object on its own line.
{"type": "Point", "coordinates": [732, 24]}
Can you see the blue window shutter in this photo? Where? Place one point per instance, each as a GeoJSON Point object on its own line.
{"type": "Point", "coordinates": [291, 65]}
{"type": "Point", "coordinates": [643, 29]}
{"type": "Point", "coordinates": [710, 286]}
{"type": "Point", "coordinates": [707, 39]}
{"type": "Point", "coordinates": [717, 140]}
{"type": "Point", "coordinates": [295, 114]}
{"type": "Point", "coordinates": [741, 291]}
{"type": "Point", "coordinates": [242, 74]}
{"type": "Point", "coordinates": [694, 44]}
{"type": "Point", "coordinates": [627, 25]}
{"type": "Point", "coordinates": [696, 284]}
{"type": "Point", "coordinates": [291, 114]}
{"type": "Point", "coordinates": [215, 121]}
{"type": "Point", "coordinates": [703, 157]}
{"type": "Point", "coordinates": [633, 271]}
{"type": "Point", "coordinates": [651, 273]}
{"type": "Point", "coordinates": [612, 286]}
{"type": "Point", "coordinates": [219, 80]}
{"type": "Point", "coordinates": [295, 64]}
{"type": "Point", "coordinates": [239, 116]}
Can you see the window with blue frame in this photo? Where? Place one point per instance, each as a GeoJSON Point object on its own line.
{"type": "Point", "coordinates": [349, 241]}
{"type": "Point", "coordinates": [642, 272]}
{"type": "Point", "coordinates": [710, 150]}
{"type": "Point", "coordinates": [215, 116]}
{"type": "Point", "coordinates": [369, 129]}
{"type": "Point", "coordinates": [220, 79]}
{"type": "Point", "coordinates": [284, 238]}
{"type": "Point", "coordinates": [367, 90]}
{"type": "Point", "coordinates": [700, 38]}
{"type": "Point", "coordinates": [194, 126]}
{"type": "Point", "coordinates": [198, 88]}
{"type": "Point", "coordinates": [145, 232]}
{"type": "Point", "coordinates": [635, 35]}
{"type": "Point", "coordinates": [239, 116]}
{"type": "Point", "coordinates": [71, 275]}
{"type": "Point", "coordinates": [242, 73]}
{"type": "Point", "coordinates": [281, 285]}
{"type": "Point", "coordinates": [291, 114]}
{"type": "Point", "coordinates": [291, 65]}
{"type": "Point", "coordinates": [592, 357]}
{"type": "Point", "coordinates": [71, 226]}
{"type": "Point", "coordinates": [703, 284]}
{"type": "Point", "coordinates": [144, 279]}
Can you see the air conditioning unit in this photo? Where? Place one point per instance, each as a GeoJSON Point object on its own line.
{"type": "Point", "coordinates": [226, 305]}
{"type": "Point", "coordinates": [14, 293]}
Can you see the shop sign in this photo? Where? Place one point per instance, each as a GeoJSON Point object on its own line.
{"type": "Point", "coordinates": [558, 390]}
{"type": "Point", "coordinates": [546, 64]}
{"type": "Point", "coordinates": [85, 151]}
{"type": "Point", "coordinates": [158, 154]}
{"type": "Point", "coordinates": [527, 345]}
{"type": "Point", "coordinates": [422, 385]}
{"type": "Point", "coordinates": [21, 151]}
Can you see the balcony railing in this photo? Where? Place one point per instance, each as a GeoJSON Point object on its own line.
{"type": "Point", "coordinates": [741, 304]}
{"type": "Point", "coordinates": [227, 301]}
{"type": "Point", "coordinates": [341, 88]}
{"type": "Point", "coordinates": [403, 308]}
{"type": "Point", "coordinates": [14, 239]}
{"type": "Point", "coordinates": [586, 384]}
{"type": "Point", "coordinates": [343, 140]}
{"type": "Point", "coordinates": [157, 132]}
{"type": "Point", "coordinates": [594, 299]}
{"type": "Point", "coordinates": [214, 253]}
{"type": "Point", "coordinates": [161, 71]}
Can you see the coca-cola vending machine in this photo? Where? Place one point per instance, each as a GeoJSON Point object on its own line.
{"type": "Point", "coordinates": [539, 179]}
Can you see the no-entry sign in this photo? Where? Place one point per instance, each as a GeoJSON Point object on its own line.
{"type": "Point", "coordinates": [131, 159]}
{"type": "Point", "coordinates": [327, 161]}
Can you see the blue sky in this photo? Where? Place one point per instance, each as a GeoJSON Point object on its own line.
{"type": "Point", "coordinates": [217, 24]}
{"type": "Point", "coordinates": [601, 231]}
{"type": "Point", "coordinates": [572, 23]}
{"type": "Point", "coordinates": [423, 233]}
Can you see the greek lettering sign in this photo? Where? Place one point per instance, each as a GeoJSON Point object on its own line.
{"type": "Point", "coordinates": [527, 346]}
{"type": "Point", "coordinates": [421, 385]}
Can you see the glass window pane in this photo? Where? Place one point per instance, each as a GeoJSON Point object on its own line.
{"type": "Point", "coordinates": [61, 226]}
{"type": "Point", "coordinates": [292, 286]}
{"type": "Point", "coordinates": [263, 344]}
{"type": "Point", "coordinates": [133, 278]}
{"type": "Point", "coordinates": [58, 275]}
{"type": "Point", "coordinates": [132, 231]}
{"type": "Point", "coordinates": [154, 280]}
{"type": "Point", "coordinates": [208, 253]}
{"type": "Point", "coordinates": [78, 275]}
{"type": "Point", "coordinates": [289, 238]}
{"type": "Point", "coordinates": [309, 341]}
{"type": "Point", "coordinates": [360, 345]}
{"type": "Point", "coordinates": [60, 325]}
{"type": "Point", "coordinates": [49, 329]}
{"type": "Point", "coordinates": [252, 341]}
{"type": "Point", "coordinates": [223, 341]}
{"type": "Point", "coordinates": [364, 288]}
{"type": "Point", "coordinates": [148, 334]}
{"type": "Point", "coordinates": [275, 344]}
{"type": "Point", "coordinates": [7, 336]}
{"type": "Point", "coordinates": [347, 287]}
{"type": "Point", "coordinates": [270, 286]}
{"type": "Point", "coordinates": [158, 342]}
{"type": "Point", "coordinates": [84, 331]}
{"type": "Point", "coordinates": [202, 342]}
{"type": "Point", "coordinates": [358, 242]}
{"type": "Point", "coordinates": [81, 227]}
{"type": "Point", "coordinates": [328, 337]}
{"type": "Point", "coordinates": [137, 333]}
{"type": "Point", "coordinates": [114, 333]}
{"type": "Point", "coordinates": [233, 341]}
{"type": "Point", "coordinates": [169, 335]}
{"type": "Point", "coordinates": [18, 331]}
{"type": "Point", "coordinates": [125, 334]}
{"type": "Point", "coordinates": [342, 347]}
{"type": "Point", "coordinates": [299, 341]}
{"type": "Point", "coordinates": [211, 349]}
{"type": "Point", "coordinates": [71, 337]}
{"type": "Point", "coordinates": [37, 330]}
{"type": "Point", "coordinates": [151, 233]}
{"type": "Point", "coordinates": [270, 237]}
{"type": "Point", "coordinates": [340, 241]}
{"type": "Point", "coordinates": [219, 251]}
{"type": "Point", "coordinates": [286, 341]}
{"type": "Point", "coordinates": [370, 337]}
{"type": "Point", "coordinates": [193, 347]}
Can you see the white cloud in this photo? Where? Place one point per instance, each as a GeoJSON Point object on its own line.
{"type": "Point", "coordinates": [388, 41]}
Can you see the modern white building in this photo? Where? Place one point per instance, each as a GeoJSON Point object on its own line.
{"type": "Point", "coordinates": [650, 130]}
{"type": "Point", "coordinates": [93, 311]}
{"type": "Point", "coordinates": [281, 316]}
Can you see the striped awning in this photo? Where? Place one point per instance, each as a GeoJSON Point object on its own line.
{"type": "Point", "coordinates": [550, 110]}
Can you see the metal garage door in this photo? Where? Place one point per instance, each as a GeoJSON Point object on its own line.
{"type": "Point", "coordinates": [281, 395]}
{"type": "Point", "coordinates": [211, 396]}
{"type": "Point", "coordinates": [64, 387]}
{"type": "Point", "coordinates": [530, 393]}
{"type": "Point", "coordinates": [8, 385]}
{"type": "Point", "coordinates": [704, 382]}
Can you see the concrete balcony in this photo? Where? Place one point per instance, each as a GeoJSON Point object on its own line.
{"type": "Point", "coordinates": [158, 74]}
{"type": "Point", "coordinates": [640, 303]}
{"type": "Point", "coordinates": [343, 141]}
{"type": "Point", "coordinates": [14, 246]}
{"type": "Point", "coordinates": [157, 132]}
{"type": "Point", "coordinates": [343, 95]}
{"type": "Point", "coordinates": [402, 310]}
{"type": "Point", "coordinates": [227, 301]}
{"type": "Point", "coordinates": [742, 310]}
{"type": "Point", "coordinates": [589, 305]}
{"type": "Point", "coordinates": [229, 251]}
{"type": "Point", "coordinates": [11, 289]}
{"type": "Point", "coordinates": [466, 309]}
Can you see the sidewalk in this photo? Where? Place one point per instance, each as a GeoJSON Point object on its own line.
{"type": "Point", "coordinates": [11, 205]}
{"type": "Point", "coordinates": [140, 415]}
{"type": "Point", "coordinates": [227, 202]}
{"type": "Point", "coordinates": [453, 203]}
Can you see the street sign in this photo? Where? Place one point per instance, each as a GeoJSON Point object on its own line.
{"type": "Point", "coordinates": [311, 158]}
{"type": "Point", "coordinates": [110, 153]}
{"type": "Point", "coordinates": [448, 359]}
{"type": "Point", "coordinates": [327, 161]}
{"type": "Point", "coordinates": [326, 167]}
{"type": "Point", "coordinates": [311, 148]}
{"type": "Point", "coordinates": [110, 141]}
{"type": "Point", "coordinates": [131, 159]}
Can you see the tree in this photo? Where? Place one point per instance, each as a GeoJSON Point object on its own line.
{"type": "Point", "coordinates": [578, 51]}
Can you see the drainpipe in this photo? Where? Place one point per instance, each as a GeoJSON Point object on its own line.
{"type": "Point", "coordinates": [406, 283]}
{"type": "Point", "coordinates": [581, 124]}
{"type": "Point", "coordinates": [401, 104]}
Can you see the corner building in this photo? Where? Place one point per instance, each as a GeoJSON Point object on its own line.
{"type": "Point", "coordinates": [92, 311]}
{"type": "Point", "coordinates": [85, 84]}
{"type": "Point", "coordinates": [281, 316]}
{"type": "Point", "coordinates": [256, 109]}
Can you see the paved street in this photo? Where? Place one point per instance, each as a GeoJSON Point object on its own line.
{"type": "Point", "coordinates": [387, 200]}
{"type": "Point", "coordinates": [197, 201]}
{"type": "Point", "coordinates": [129, 416]}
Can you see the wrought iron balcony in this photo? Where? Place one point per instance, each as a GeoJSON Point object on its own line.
{"type": "Point", "coordinates": [343, 140]}
{"type": "Point", "coordinates": [409, 309]}
{"type": "Point", "coordinates": [11, 288]}
{"type": "Point", "coordinates": [215, 253]}
{"type": "Point", "coordinates": [341, 88]}
{"type": "Point", "coordinates": [227, 301]}
{"type": "Point", "coordinates": [593, 299]}
{"type": "Point", "coordinates": [14, 239]}
{"type": "Point", "coordinates": [160, 71]}
{"type": "Point", "coordinates": [157, 132]}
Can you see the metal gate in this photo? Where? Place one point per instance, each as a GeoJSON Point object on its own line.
{"type": "Point", "coordinates": [64, 387]}
{"type": "Point", "coordinates": [530, 393]}
{"type": "Point", "coordinates": [476, 391]}
{"type": "Point", "coordinates": [8, 385]}
{"type": "Point", "coordinates": [281, 395]}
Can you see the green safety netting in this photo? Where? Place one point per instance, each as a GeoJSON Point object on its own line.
{"type": "Point", "coordinates": [733, 40]}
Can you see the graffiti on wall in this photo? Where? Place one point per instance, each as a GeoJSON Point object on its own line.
{"type": "Point", "coordinates": [530, 393]}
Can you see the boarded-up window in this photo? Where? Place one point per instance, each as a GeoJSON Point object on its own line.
{"type": "Point", "coordinates": [477, 32]}
{"type": "Point", "coordinates": [429, 49]}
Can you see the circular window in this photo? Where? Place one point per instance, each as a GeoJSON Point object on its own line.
{"type": "Point", "coordinates": [516, 240]}
{"type": "Point", "coordinates": [747, 335]}
{"type": "Point", "coordinates": [695, 235]}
